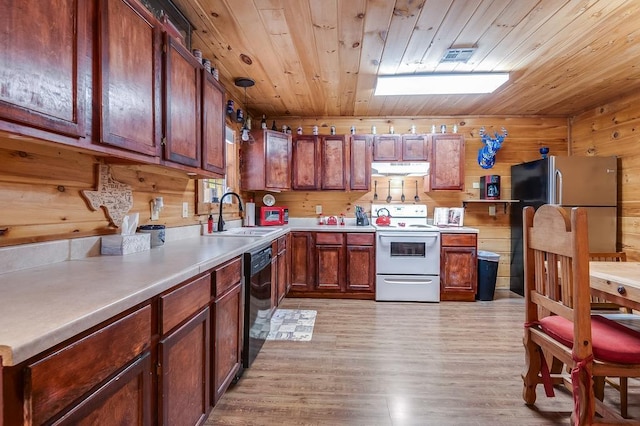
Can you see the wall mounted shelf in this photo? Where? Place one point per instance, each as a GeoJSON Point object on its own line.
{"type": "Point", "coordinates": [493, 203]}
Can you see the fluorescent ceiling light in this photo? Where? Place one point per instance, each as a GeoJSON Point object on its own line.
{"type": "Point", "coordinates": [439, 84]}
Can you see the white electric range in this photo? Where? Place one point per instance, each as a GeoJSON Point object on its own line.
{"type": "Point", "coordinates": [407, 254]}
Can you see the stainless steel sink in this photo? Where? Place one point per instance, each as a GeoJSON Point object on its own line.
{"type": "Point", "coordinates": [259, 231]}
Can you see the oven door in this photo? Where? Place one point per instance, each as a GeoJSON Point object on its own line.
{"type": "Point", "coordinates": [408, 253]}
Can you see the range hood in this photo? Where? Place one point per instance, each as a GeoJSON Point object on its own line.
{"type": "Point", "coordinates": [399, 169]}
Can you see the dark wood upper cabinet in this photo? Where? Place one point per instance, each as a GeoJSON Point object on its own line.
{"type": "Point", "coordinates": [447, 162]}
{"type": "Point", "coordinates": [266, 163]}
{"type": "Point", "coordinates": [334, 163]}
{"type": "Point", "coordinates": [306, 162]}
{"type": "Point", "coordinates": [129, 70]}
{"type": "Point", "coordinates": [360, 159]}
{"type": "Point", "coordinates": [320, 162]}
{"type": "Point", "coordinates": [415, 148]}
{"type": "Point", "coordinates": [44, 64]}
{"type": "Point", "coordinates": [182, 95]}
{"type": "Point", "coordinates": [387, 147]}
{"type": "Point", "coordinates": [213, 129]}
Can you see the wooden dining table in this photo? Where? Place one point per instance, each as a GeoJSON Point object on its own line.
{"type": "Point", "coordinates": [618, 282]}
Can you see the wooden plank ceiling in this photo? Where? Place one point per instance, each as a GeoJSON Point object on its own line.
{"type": "Point", "coordinates": [313, 58]}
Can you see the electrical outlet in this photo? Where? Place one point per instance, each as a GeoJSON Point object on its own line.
{"type": "Point", "coordinates": [476, 185]}
{"type": "Point", "coordinates": [492, 210]}
{"type": "Point", "coordinates": [318, 209]}
{"type": "Point", "coordinates": [185, 209]}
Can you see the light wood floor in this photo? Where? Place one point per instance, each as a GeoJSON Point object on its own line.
{"type": "Point", "coordinates": [387, 363]}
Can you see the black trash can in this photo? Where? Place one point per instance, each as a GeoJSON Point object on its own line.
{"type": "Point", "coordinates": [487, 273]}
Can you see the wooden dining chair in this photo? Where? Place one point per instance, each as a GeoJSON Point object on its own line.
{"type": "Point", "coordinates": [558, 316]}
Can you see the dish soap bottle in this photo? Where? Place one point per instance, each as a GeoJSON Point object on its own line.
{"type": "Point", "coordinates": [210, 224]}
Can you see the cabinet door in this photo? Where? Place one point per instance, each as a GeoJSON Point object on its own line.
{"type": "Point", "coordinates": [458, 274]}
{"type": "Point", "coordinates": [182, 95]}
{"type": "Point", "coordinates": [334, 162]}
{"type": "Point", "coordinates": [227, 339]}
{"type": "Point", "coordinates": [44, 65]}
{"type": "Point", "coordinates": [129, 77]}
{"type": "Point", "coordinates": [183, 382]}
{"type": "Point", "coordinates": [447, 162]}
{"type": "Point", "coordinates": [330, 261]}
{"type": "Point", "coordinates": [274, 282]}
{"type": "Point", "coordinates": [387, 148]}
{"type": "Point", "coordinates": [306, 162]}
{"type": "Point", "coordinates": [277, 161]}
{"type": "Point", "coordinates": [415, 148]}
{"type": "Point", "coordinates": [282, 281]}
{"type": "Point", "coordinates": [360, 268]}
{"type": "Point", "coordinates": [360, 170]}
{"type": "Point", "coordinates": [213, 125]}
{"type": "Point", "coordinates": [302, 265]}
{"type": "Point", "coordinates": [123, 400]}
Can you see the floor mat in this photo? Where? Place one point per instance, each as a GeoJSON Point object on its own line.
{"type": "Point", "coordinates": [292, 324]}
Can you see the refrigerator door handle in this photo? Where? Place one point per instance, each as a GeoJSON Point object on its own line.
{"type": "Point", "coordinates": [558, 187]}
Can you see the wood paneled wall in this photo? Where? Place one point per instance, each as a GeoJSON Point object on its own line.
{"type": "Point", "coordinates": [614, 129]}
{"type": "Point", "coordinates": [526, 136]}
{"type": "Point", "coordinates": [40, 193]}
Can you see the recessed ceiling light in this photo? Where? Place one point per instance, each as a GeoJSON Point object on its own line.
{"type": "Point", "coordinates": [439, 84]}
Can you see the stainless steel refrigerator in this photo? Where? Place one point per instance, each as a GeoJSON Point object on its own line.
{"type": "Point", "coordinates": [590, 182]}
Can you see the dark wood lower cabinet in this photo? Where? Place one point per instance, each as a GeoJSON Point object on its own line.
{"type": "Point", "coordinates": [361, 263]}
{"type": "Point", "coordinates": [228, 311]}
{"type": "Point", "coordinates": [302, 263]}
{"type": "Point", "coordinates": [183, 367]}
{"type": "Point", "coordinates": [330, 262]}
{"type": "Point", "coordinates": [458, 267]}
{"type": "Point", "coordinates": [282, 268]}
{"type": "Point", "coordinates": [333, 265]}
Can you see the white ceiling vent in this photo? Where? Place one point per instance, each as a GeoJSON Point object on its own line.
{"type": "Point", "coordinates": [458, 55]}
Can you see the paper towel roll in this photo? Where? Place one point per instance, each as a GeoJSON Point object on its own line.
{"type": "Point", "coordinates": [250, 217]}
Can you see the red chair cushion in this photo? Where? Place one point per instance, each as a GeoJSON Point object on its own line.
{"type": "Point", "coordinates": [612, 342]}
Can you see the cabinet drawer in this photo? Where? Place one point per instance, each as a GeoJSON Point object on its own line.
{"type": "Point", "coordinates": [459, 240]}
{"type": "Point", "coordinates": [333, 238]}
{"type": "Point", "coordinates": [181, 303]}
{"type": "Point", "coordinates": [282, 244]}
{"type": "Point", "coordinates": [360, 239]}
{"type": "Point", "coordinates": [54, 382]}
{"type": "Point", "coordinates": [227, 275]}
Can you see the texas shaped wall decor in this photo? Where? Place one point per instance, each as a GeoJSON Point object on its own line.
{"type": "Point", "coordinates": [115, 197]}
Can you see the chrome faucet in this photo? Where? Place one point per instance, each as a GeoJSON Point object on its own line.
{"type": "Point", "coordinates": [220, 221]}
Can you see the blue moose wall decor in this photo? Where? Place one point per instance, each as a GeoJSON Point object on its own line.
{"type": "Point", "coordinates": [487, 154]}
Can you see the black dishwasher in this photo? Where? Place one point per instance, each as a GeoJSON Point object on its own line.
{"type": "Point", "coordinates": [257, 309]}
